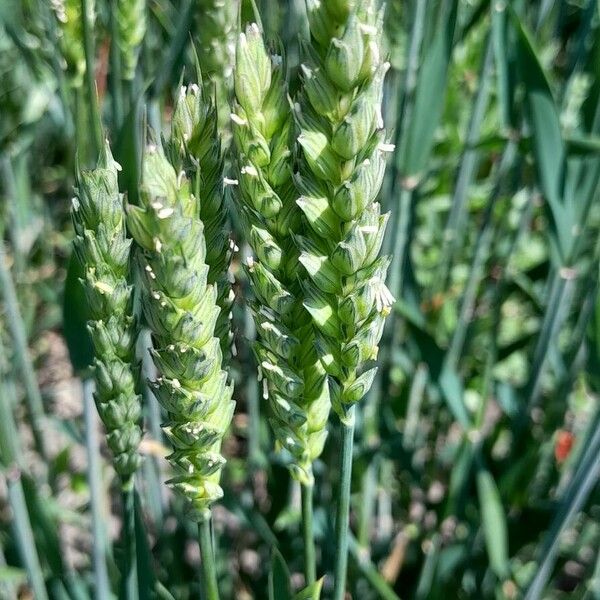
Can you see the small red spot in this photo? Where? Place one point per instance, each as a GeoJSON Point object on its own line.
{"type": "Point", "coordinates": [564, 443]}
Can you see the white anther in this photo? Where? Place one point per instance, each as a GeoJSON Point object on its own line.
{"type": "Point", "coordinates": [237, 119]}
{"type": "Point", "coordinates": [250, 170]}
{"type": "Point", "coordinates": [368, 29]}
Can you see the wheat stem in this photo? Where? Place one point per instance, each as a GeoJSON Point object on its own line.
{"type": "Point", "coordinates": [343, 508]}
{"type": "Point", "coordinates": [87, 26]}
{"type": "Point", "coordinates": [310, 569]}
{"type": "Point", "coordinates": [129, 577]}
{"type": "Point", "coordinates": [116, 71]}
{"type": "Point", "coordinates": [207, 560]}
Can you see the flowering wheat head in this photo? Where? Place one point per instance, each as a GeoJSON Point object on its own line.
{"type": "Point", "coordinates": [180, 306]}
{"type": "Point", "coordinates": [196, 150]}
{"type": "Point", "coordinates": [131, 22]}
{"type": "Point", "coordinates": [294, 380]}
{"type": "Point", "coordinates": [216, 34]}
{"type": "Point", "coordinates": [104, 251]}
{"type": "Point", "coordinates": [68, 14]}
{"type": "Point", "coordinates": [341, 171]}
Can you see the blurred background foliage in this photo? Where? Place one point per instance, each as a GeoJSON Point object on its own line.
{"type": "Point", "coordinates": [478, 450]}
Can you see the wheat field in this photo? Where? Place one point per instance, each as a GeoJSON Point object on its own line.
{"type": "Point", "coordinates": [299, 299]}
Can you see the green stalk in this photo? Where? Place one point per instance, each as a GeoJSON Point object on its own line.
{"type": "Point", "coordinates": [310, 567]}
{"type": "Point", "coordinates": [87, 23]}
{"type": "Point", "coordinates": [480, 255]}
{"type": "Point", "coordinates": [371, 441]}
{"type": "Point", "coordinates": [427, 575]}
{"type": "Point", "coordinates": [16, 327]}
{"type": "Point", "coordinates": [129, 578]}
{"type": "Point", "coordinates": [116, 71]}
{"type": "Point", "coordinates": [403, 115]}
{"type": "Point", "coordinates": [210, 588]}
{"type": "Point", "coordinates": [10, 193]}
{"type": "Point", "coordinates": [129, 90]}
{"type": "Point", "coordinates": [101, 583]}
{"type": "Point", "coordinates": [23, 535]}
{"type": "Point", "coordinates": [554, 317]}
{"type": "Point", "coordinates": [411, 78]}
{"type": "Point", "coordinates": [413, 410]}
{"type": "Point", "coordinates": [343, 509]}
{"type": "Point", "coordinates": [400, 244]}
{"type": "Point", "coordinates": [467, 170]}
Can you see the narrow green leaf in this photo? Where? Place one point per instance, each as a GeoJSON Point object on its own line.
{"type": "Point", "coordinates": [584, 145]}
{"type": "Point", "coordinates": [493, 522]}
{"type": "Point", "coordinates": [279, 578]}
{"type": "Point", "coordinates": [503, 58]}
{"type": "Point", "coordinates": [128, 151]}
{"type": "Point", "coordinates": [548, 145]}
{"type": "Point", "coordinates": [312, 592]}
{"type": "Point", "coordinates": [24, 536]}
{"type": "Point", "coordinates": [429, 99]}
{"type": "Point", "coordinates": [75, 317]}
{"type": "Point", "coordinates": [452, 390]}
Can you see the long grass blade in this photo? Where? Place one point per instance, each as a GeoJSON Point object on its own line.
{"type": "Point", "coordinates": [17, 329]}
{"type": "Point", "coordinates": [23, 534]}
